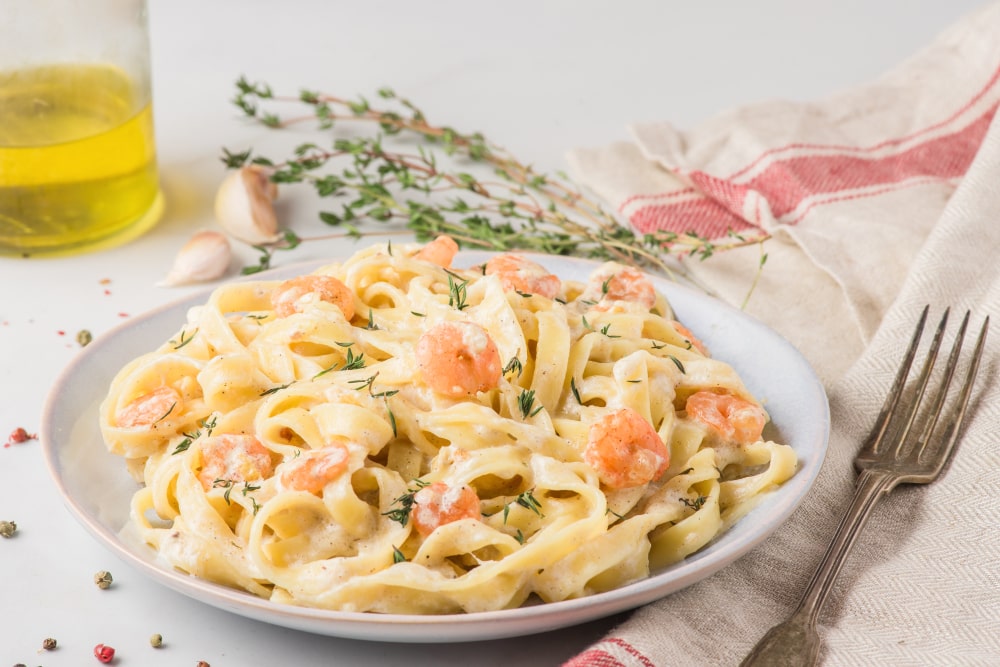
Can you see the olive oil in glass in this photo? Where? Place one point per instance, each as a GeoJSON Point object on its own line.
{"type": "Point", "coordinates": [77, 159]}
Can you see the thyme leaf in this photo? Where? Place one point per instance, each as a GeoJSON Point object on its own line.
{"type": "Point", "coordinates": [226, 484]}
{"type": "Point", "coordinates": [695, 504]}
{"type": "Point", "coordinates": [401, 514]}
{"type": "Point", "coordinates": [606, 328]}
{"type": "Point", "coordinates": [501, 203]}
{"type": "Point", "coordinates": [351, 362]}
{"type": "Point", "coordinates": [457, 292]}
{"type": "Point", "coordinates": [274, 390]}
{"type": "Point", "coordinates": [513, 366]}
{"type": "Point", "coordinates": [184, 339]}
{"type": "Point", "coordinates": [368, 383]}
{"type": "Point", "coordinates": [529, 501]}
{"type": "Point", "coordinates": [189, 438]}
{"type": "Point", "coordinates": [167, 413]}
{"type": "Point", "coordinates": [525, 402]}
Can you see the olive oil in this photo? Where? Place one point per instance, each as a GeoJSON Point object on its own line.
{"type": "Point", "coordinates": [77, 160]}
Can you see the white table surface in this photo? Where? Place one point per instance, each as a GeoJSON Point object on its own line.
{"type": "Point", "coordinates": [539, 78]}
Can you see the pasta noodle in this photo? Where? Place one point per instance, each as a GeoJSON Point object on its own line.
{"type": "Point", "coordinates": [394, 434]}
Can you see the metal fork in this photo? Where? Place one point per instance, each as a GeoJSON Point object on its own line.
{"type": "Point", "coordinates": [888, 457]}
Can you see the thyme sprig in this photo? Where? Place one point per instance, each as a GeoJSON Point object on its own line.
{"type": "Point", "coordinates": [457, 292]}
{"type": "Point", "coordinates": [517, 207]}
{"type": "Point", "coordinates": [529, 501]}
{"type": "Point", "coordinates": [513, 366]}
{"type": "Point", "coordinates": [206, 423]}
{"type": "Point", "coordinates": [401, 514]}
{"type": "Point", "coordinates": [352, 362]}
{"type": "Point", "coordinates": [525, 403]}
{"type": "Point", "coordinates": [695, 504]}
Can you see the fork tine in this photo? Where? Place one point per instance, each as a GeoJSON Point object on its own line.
{"type": "Point", "coordinates": [942, 393]}
{"type": "Point", "coordinates": [955, 424]}
{"type": "Point", "coordinates": [922, 381]}
{"type": "Point", "coordinates": [892, 398]}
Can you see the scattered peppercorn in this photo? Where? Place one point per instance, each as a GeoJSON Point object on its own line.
{"type": "Point", "coordinates": [103, 579]}
{"type": "Point", "coordinates": [156, 641]}
{"type": "Point", "coordinates": [20, 664]}
{"type": "Point", "coordinates": [7, 528]}
{"type": "Point", "coordinates": [19, 435]}
{"type": "Point", "coordinates": [104, 653]}
{"type": "Point", "coordinates": [202, 663]}
{"type": "Point", "coordinates": [83, 337]}
{"type": "Point", "coordinates": [48, 644]}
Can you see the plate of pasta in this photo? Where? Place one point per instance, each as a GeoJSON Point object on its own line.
{"type": "Point", "coordinates": [419, 444]}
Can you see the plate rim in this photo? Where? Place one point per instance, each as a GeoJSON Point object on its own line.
{"type": "Point", "coordinates": [473, 626]}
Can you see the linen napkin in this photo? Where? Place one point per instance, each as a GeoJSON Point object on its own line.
{"type": "Point", "coordinates": [849, 186]}
{"type": "Point", "coordinates": [880, 200]}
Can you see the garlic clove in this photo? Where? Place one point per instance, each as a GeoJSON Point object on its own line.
{"type": "Point", "coordinates": [244, 206]}
{"type": "Point", "coordinates": [204, 257]}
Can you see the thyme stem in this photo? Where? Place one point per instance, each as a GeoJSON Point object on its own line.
{"type": "Point", "coordinates": [521, 209]}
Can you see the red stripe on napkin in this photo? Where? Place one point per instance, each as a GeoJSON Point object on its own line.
{"type": "Point", "coordinates": [702, 216]}
{"type": "Point", "coordinates": [786, 184]}
{"type": "Point", "coordinates": [894, 141]}
{"type": "Point", "coordinates": [598, 657]}
{"type": "Point", "coordinates": [791, 181]}
{"type": "Point", "coordinates": [594, 657]}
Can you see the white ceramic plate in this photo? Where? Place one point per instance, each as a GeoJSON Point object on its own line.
{"type": "Point", "coordinates": [97, 489]}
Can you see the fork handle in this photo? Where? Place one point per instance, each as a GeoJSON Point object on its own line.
{"type": "Point", "coordinates": [796, 642]}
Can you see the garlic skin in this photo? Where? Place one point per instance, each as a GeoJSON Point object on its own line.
{"type": "Point", "coordinates": [204, 257]}
{"type": "Point", "coordinates": [244, 206]}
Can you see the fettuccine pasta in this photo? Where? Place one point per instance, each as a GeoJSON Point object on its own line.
{"type": "Point", "coordinates": [394, 434]}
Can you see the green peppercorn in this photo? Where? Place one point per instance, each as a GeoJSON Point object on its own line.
{"type": "Point", "coordinates": [103, 579]}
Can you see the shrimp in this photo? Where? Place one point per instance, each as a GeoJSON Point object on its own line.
{"type": "Point", "coordinates": [438, 504]}
{"type": "Point", "coordinates": [285, 298]}
{"type": "Point", "coordinates": [617, 282]}
{"type": "Point", "coordinates": [734, 418]}
{"type": "Point", "coordinates": [625, 450]}
{"type": "Point", "coordinates": [150, 408]}
{"type": "Point", "coordinates": [686, 333]}
{"type": "Point", "coordinates": [458, 358]}
{"type": "Point", "coordinates": [522, 275]}
{"type": "Point", "coordinates": [440, 251]}
{"type": "Point", "coordinates": [314, 469]}
{"type": "Point", "coordinates": [234, 458]}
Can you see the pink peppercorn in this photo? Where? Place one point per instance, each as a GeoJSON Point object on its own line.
{"type": "Point", "coordinates": [104, 653]}
{"type": "Point", "coordinates": [19, 435]}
